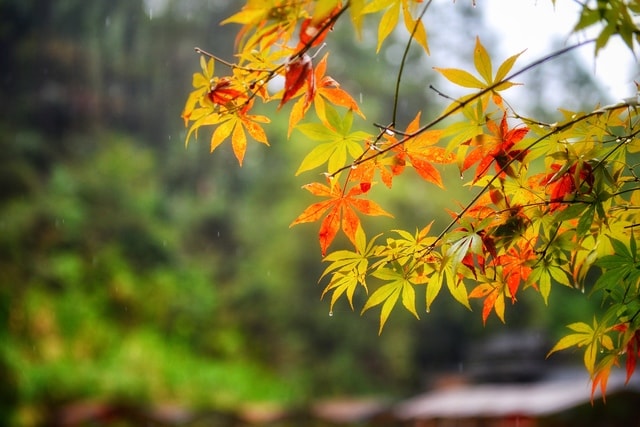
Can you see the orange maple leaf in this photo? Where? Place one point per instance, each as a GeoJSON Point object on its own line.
{"type": "Point", "coordinates": [311, 27]}
{"type": "Point", "coordinates": [236, 125]}
{"type": "Point", "coordinates": [515, 269]}
{"type": "Point", "coordinates": [498, 147]}
{"type": "Point", "coordinates": [365, 171]}
{"type": "Point", "coordinates": [270, 21]}
{"type": "Point", "coordinates": [340, 212]}
{"type": "Point", "coordinates": [326, 88]}
{"type": "Point", "coordinates": [493, 294]}
{"type": "Point", "coordinates": [421, 153]}
{"type": "Point", "coordinates": [600, 379]}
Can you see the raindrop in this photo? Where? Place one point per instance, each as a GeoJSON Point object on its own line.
{"type": "Point", "coordinates": [218, 234]}
{"type": "Point", "coordinates": [107, 22]}
{"type": "Point", "coordinates": [360, 97]}
{"type": "Point", "coordinates": [327, 175]}
{"type": "Point", "coordinates": [428, 310]}
{"type": "Point", "coordinates": [461, 176]}
{"type": "Point", "coordinates": [354, 166]}
{"type": "Point", "coordinates": [331, 313]}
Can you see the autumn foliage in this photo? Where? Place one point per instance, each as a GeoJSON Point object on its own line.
{"type": "Point", "coordinates": [551, 203]}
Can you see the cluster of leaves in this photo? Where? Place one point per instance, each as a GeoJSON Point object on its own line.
{"type": "Point", "coordinates": [551, 204]}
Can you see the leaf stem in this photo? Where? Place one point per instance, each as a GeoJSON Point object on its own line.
{"type": "Point", "coordinates": [396, 95]}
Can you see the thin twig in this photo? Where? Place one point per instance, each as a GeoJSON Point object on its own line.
{"type": "Point", "coordinates": [396, 96]}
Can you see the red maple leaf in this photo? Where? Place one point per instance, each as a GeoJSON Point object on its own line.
{"type": "Point", "coordinates": [340, 210]}
{"type": "Point", "coordinates": [222, 92]}
{"type": "Point", "coordinates": [313, 30]}
{"type": "Point", "coordinates": [565, 181]}
{"type": "Point", "coordinates": [298, 72]}
{"type": "Point", "coordinates": [632, 348]}
{"type": "Point", "coordinates": [497, 147]}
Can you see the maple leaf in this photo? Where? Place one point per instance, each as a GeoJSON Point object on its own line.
{"type": "Point", "coordinates": [498, 147]}
{"type": "Point", "coordinates": [630, 340]}
{"type": "Point", "coordinates": [387, 295]}
{"type": "Point", "coordinates": [326, 89]}
{"type": "Point", "coordinates": [272, 20]}
{"type": "Point", "coordinates": [421, 152]}
{"type": "Point", "coordinates": [255, 68]}
{"type": "Point", "coordinates": [467, 241]}
{"type": "Point", "coordinates": [601, 377]}
{"type": "Point", "coordinates": [222, 93]}
{"type": "Point", "coordinates": [493, 294]}
{"type": "Point", "coordinates": [590, 337]}
{"type": "Point", "coordinates": [515, 268]}
{"type": "Point", "coordinates": [482, 62]}
{"type": "Point", "coordinates": [298, 72]}
{"type": "Point", "coordinates": [340, 210]}
{"type": "Point", "coordinates": [201, 83]}
{"type": "Point", "coordinates": [338, 142]}
{"type": "Point", "coordinates": [390, 19]}
{"type": "Point", "coordinates": [214, 101]}
{"type": "Point", "coordinates": [365, 172]}
{"type": "Point", "coordinates": [236, 125]}
{"type": "Point", "coordinates": [314, 30]}
{"type": "Point", "coordinates": [565, 181]}
{"type": "Point", "coordinates": [349, 268]}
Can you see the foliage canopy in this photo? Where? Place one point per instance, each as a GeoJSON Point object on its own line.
{"type": "Point", "coordinates": [552, 203]}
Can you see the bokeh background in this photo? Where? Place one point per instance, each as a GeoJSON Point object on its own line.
{"type": "Point", "coordinates": [137, 272]}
